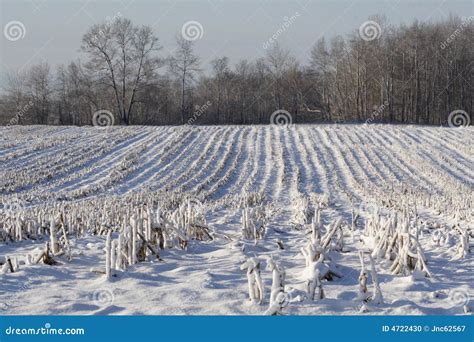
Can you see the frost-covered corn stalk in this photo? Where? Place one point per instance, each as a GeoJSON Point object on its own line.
{"type": "Point", "coordinates": [311, 253]}
{"type": "Point", "coordinates": [34, 222]}
{"type": "Point", "coordinates": [190, 218]}
{"type": "Point", "coordinates": [9, 265]}
{"type": "Point", "coordinates": [14, 225]}
{"type": "Point", "coordinates": [143, 229]}
{"type": "Point", "coordinates": [254, 280]}
{"type": "Point", "coordinates": [355, 214]}
{"type": "Point", "coordinates": [278, 298]}
{"type": "Point", "coordinates": [335, 230]}
{"type": "Point", "coordinates": [54, 238]}
{"type": "Point", "coordinates": [127, 165]}
{"type": "Point", "coordinates": [363, 278]}
{"type": "Point", "coordinates": [440, 237]}
{"type": "Point", "coordinates": [372, 225]}
{"type": "Point", "coordinates": [12, 229]}
{"type": "Point", "coordinates": [60, 163]}
{"type": "Point", "coordinates": [314, 287]}
{"type": "Point", "coordinates": [397, 238]}
{"type": "Point", "coordinates": [316, 257]}
{"type": "Point", "coordinates": [315, 270]}
{"type": "Point", "coordinates": [406, 250]}
{"type": "Point", "coordinates": [108, 256]}
{"type": "Point", "coordinates": [377, 297]}
{"type": "Point", "coordinates": [320, 200]}
{"type": "Point", "coordinates": [302, 209]}
{"type": "Point", "coordinates": [251, 199]}
{"type": "Point", "coordinates": [130, 247]}
{"type": "Point", "coordinates": [316, 226]}
{"type": "Point", "coordinates": [462, 249]}
{"type": "Point", "coordinates": [364, 296]}
{"type": "Point", "coordinates": [45, 256]}
{"type": "Point", "coordinates": [456, 201]}
{"type": "Point", "coordinates": [382, 233]}
{"type": "Point", "coordinates": [92, 215]}
{"type": "Point", "coordinates": [254, 221]}
{"type": "Point", "coordinates": [119, 254]}
{"type": "Point", "coordinates": [247, 225]}
{"type": "Point", "coordinates": [145, 222]}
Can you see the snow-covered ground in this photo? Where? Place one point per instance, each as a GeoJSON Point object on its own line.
{"type": "Point", "coordinates": [95, 180]}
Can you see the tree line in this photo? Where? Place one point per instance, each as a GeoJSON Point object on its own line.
{"type": "Point", "coordinates": [416, 73]}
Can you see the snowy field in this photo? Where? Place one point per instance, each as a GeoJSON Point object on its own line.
{"type": "Point", "coordinates": [86, 210]}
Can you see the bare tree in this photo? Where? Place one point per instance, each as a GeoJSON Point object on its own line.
{"type": "Point", "coordinates": [416, 73]}
{"type": "Point", "coordinates": [278, 61]}
{"type": "Point", "coordinates": [78, 95]}
{"type": "Point", "coordinates": [242, 70]}
{"type": "Point", "coordinates": [184, 64]}
{"type": "Point", "coordinates": [123, 55]}
{"type": "Point", "coordinates": [320, 67]}
{"type": "Point", "coordinates": [15, 98]}
{"type": "Point", "coordinates": [220, 67]}
{"type": "Point", "coordinates": [40, 88]}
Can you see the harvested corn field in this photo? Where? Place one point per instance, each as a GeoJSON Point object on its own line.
{"type": "Point", "coordinates": [309, 219]}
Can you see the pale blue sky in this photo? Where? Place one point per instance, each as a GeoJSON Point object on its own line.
{"type": "Point", "coordinates": [235, 28]}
